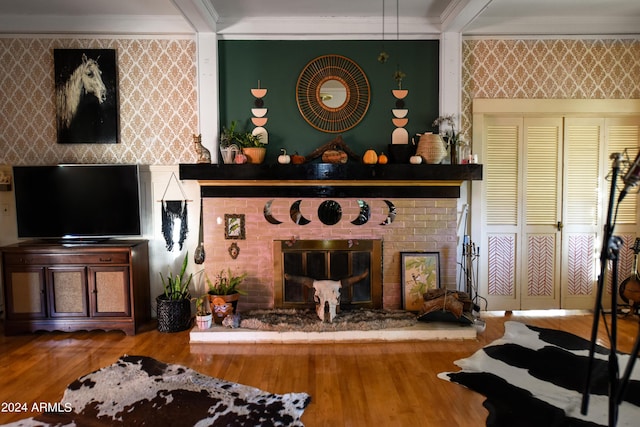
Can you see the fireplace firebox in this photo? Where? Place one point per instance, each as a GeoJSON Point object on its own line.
{"type": "Point", "coordinates": [328, 259]}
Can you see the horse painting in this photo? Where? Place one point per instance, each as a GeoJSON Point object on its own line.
{"type": "Point", "coordinates": [86, 96]}
{"type": "Point", "coordinates": [85, 80]}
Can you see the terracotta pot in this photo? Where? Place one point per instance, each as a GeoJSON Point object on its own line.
{"type": "Point", "coordinates": [255, 155]}
{"type": "Point", "coordinates": [223, 305]}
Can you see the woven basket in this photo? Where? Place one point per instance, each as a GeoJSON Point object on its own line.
{"type": "Point", "coordinates": [173, 315]}
{"type": "Point", "coordinates": [431, 148]}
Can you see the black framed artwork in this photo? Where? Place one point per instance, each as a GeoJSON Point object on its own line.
{"type": "Point", "coordinates": [419, 272]}
{"type": "Point", "coordinates": [86, 94]}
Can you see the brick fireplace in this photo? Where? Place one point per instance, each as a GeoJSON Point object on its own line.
{"type": "Point", "coordinates": [281, 203]}
{"type": "Point", "coordinates": [423, 224]}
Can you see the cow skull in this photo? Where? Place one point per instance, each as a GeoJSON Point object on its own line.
{"type": "Point", "coordinates": [327, 292]}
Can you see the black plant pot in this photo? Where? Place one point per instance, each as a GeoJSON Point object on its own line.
{"type": "Point", "coordinates": [173, 315]}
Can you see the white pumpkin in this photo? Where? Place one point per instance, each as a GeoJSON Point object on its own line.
{"type": "Point", "coordinates": [284, 158]}
{"type": "Point", "coordinates": [415, 160]}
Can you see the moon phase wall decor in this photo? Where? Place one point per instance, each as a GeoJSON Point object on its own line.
{"type": "Point", "coordinates": [330, 213]}
{"type": "Point", "coordinates": [333, 93]}
{"type": "Point", "coordinates": [296, 215]}
{"type": "Point", "coordinates": [392, 212]}
{"type": "Point", "coordinates": [268, 215]}
{"type": "Point", "coordinates": [365, 213]}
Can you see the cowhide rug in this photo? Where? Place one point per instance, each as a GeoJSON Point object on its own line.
{"type": "Point", "coordinates": [535, 377]}
{"type": "Point", "coordinates": [139, 390]}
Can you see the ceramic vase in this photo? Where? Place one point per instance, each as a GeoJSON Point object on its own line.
{"type": "Point", "coordinates": [204, 321]}
{"type": "Point", "coordinates": [229, 153]}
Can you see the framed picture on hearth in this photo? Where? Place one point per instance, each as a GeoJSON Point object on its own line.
{"type": "Point", "coordinates": [234, 226]}
{"type": "Point", "coordinates": [420, 271]}
{"type": "Point", "coordinates": [86, 96]}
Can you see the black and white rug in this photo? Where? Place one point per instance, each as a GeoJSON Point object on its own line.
{"type": "Point", "coordinates": [535, 377]}
{"type": "Point", "coordinates": [139, 390]}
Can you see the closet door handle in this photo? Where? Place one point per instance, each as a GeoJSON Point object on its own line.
{"type": "Point", "coordinates": [559, 225]}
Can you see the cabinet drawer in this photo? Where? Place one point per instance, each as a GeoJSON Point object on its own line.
{"type": "Point", "coordinates": [71, 258]}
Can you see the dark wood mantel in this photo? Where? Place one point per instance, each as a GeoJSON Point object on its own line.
{"type": "Point", "coordinates": [331, 180]}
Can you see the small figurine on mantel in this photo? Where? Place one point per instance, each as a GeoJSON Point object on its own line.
{"type": "Point", "coordinates": [204, 155]}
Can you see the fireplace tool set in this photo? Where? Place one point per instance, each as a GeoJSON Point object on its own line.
{"type": "Point", "coordinates": [468, 276]}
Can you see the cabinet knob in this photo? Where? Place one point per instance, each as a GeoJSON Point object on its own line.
{"type": "Point", "coordinates": [105, 259]}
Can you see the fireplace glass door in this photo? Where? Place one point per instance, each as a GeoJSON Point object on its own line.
{"type": "Point", "coordinates": [332, 260]}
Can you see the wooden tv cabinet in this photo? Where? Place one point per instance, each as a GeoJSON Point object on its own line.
{"type": "Point", "coordinates": [80, 286]}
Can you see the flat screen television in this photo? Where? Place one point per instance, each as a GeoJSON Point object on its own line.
{"type": "Point", "coordinates": [77, 202]}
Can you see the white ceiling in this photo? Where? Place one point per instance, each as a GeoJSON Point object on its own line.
{"type": "Point", "coordinates": [323, 18]}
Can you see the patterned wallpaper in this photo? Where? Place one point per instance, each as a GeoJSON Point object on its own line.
{"type": "Point", "coordinates": [158, 90]}
{"type": "Point", "coordinates": [560, 68]}
{"type": "Point", "coordinates": [158, 102]}
{"type": "Point", "coordinates": [546, 69]}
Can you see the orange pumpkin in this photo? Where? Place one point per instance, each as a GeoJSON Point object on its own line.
{"type": "Point", "coordinates": [370, 157]}
{"type": "Point", "coordinates": [297, 159]}
{"type": "Point", "coordinates": [383, 159]}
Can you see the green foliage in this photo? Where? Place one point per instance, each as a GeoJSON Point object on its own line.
{"type": "Point", "coordinates": [247, 139]}
{"type": "Point", "coordinates": [202, 305]}
{"type": "Point", "coordinates": [177, 287]}
{"type": "Point", "coordinates": [226, 283]}
{"type": "Point", "coordinates": [241, 138]}
{"type": "Point", "coordinates": [399, 76]}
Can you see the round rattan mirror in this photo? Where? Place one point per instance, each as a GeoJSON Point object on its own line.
{"type": "Point", "coordinates": [332, 93]}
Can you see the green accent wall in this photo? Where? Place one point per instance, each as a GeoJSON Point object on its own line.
{"type": "Point", "coordinates": [277, 65]}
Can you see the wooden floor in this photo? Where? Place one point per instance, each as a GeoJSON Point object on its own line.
{"type": "Point", "coordinates": [386, 384]}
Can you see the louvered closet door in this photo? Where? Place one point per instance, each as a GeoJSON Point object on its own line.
{"type": "Point", "coordinates": [500, 246]}
{"type": "Point", "coordinates": [546, 196]}
{"type": "Point", "coordinates": [523, 206]}
{"type": "Point", "coordinates": [623, 134]}
{"type": "Point", "coordinates": [542, 211]}
{"type": "Point", "coordinates": [584, 192]}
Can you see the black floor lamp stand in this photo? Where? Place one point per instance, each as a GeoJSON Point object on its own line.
{"type": "Point", "coordinates": [609, 256]}
{"type": "Point", "coordinates": [610, 251]}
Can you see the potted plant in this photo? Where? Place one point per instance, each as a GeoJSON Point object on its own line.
{"type": "Point", "coordinates": [203, 312]}
{"type": "Point", "coordinates": [232, 141]}
{"type": "Point", "coordinates": [224, 293]}
{"type": "Point", "coordinates": [174, 305]}
{"type": "Point", "coordinates": [399, 76]}
{"type": "Point", "coordinates": [252, 147]}
{"type": "Point", "coordinates": [229, 143]}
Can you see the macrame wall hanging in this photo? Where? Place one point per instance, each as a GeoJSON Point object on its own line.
{"type": "Point", "coordinates": [173, 211]}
